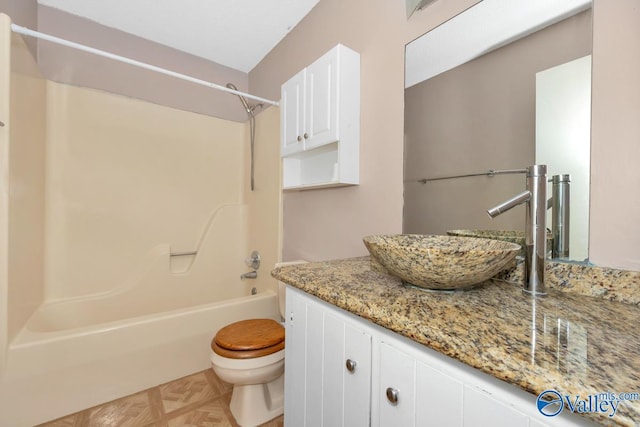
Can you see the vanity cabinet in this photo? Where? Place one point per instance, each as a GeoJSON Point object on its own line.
{"type": "Point", "coordinates": [328, 366]}
{"type": "Point", "coordinates": [342, 370]}
{"type": "Point", "coordinates": [320, 122]}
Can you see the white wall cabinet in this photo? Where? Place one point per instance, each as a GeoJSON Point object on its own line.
{"type": "Point", "coordinates": [320, 122]}
{"type": "Point", "coordinates": [394, 381]}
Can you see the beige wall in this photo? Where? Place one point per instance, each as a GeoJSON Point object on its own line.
{"type": "Point", "coordinates": [478, 117]}
{"type": "Point", "coordinates": [71, 66]}
{"type": "Point", "coordinates": [22, 12]}
{"type": "Point", "coordinates": [81, 69]}
{"type": "Point", "coordinates": [330, 223]}
{"type": "Point", "coordinates": [5, 130]}
{"type": "Point", "coordinates": [615, 144]}
{"type": "Point", "coordinates": [25, 13]}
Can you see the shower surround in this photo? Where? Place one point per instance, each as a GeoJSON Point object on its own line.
{"type": "Point", "coordinates": [124, 228]}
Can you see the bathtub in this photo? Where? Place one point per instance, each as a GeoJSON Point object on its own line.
{"type": "Point", "coordinates": [56, 367]}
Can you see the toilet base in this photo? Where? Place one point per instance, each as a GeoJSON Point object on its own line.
{"type": "Point", "coordinates": [255, 404]}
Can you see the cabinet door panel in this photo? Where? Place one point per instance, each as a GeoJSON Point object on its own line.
{"type": "Point", "coordinates": [480, 410]}
{"type": "Point", "coordinates": [321, 106]}
{"type": "Point", "coordinates": [397, 372]}
{"type": "Point", "coordinates": [438, 398]}
{"type": "Point", "coordinates": [295, 356]}
{"type": "Point", "coordinates": [333, 388]}
{"type": "Point", "coordinates": [357, 384]}
{"type": "Point", "coordinates": [313, 369]}
{"type": "Point", "coordinates": [292, 114]}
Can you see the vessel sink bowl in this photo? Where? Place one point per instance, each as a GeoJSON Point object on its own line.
{"type": "Point", "coordinates": [506, 235]}
{"type": "Point", "coordinates": [440, 262]}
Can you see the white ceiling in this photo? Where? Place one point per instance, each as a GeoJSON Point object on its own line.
{"type": "Point", "coordinates": [235, 33]}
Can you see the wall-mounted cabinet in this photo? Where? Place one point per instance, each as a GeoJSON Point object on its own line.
{"type": "Point", "coordinates": [320, 122]}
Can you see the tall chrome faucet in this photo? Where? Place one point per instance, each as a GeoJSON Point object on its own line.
{"type": "Point", "coordinates": [535, 196]}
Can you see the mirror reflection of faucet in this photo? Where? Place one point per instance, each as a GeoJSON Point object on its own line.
{"type": "Point", "coordinates": [560, 215]}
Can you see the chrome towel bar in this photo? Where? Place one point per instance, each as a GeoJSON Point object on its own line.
{"type": "Point", "coordinates": [492, 172]}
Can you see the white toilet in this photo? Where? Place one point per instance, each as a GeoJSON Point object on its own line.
{"type": "Point", "coordinates": [250, 355]}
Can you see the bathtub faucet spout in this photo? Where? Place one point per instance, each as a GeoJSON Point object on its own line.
{"type": "Point", "coordinates": [249, 275]}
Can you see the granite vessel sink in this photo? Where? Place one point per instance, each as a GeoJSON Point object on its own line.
{"type": "Point", "coordinates": [440, 262]}
{"type": "Point", "coordinates": [512, 236]}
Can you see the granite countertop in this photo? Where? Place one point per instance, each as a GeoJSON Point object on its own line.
{"type": "Point", "coordinates": [576, 344]}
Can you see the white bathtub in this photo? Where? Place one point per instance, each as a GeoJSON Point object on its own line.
{"type": "Point", "coordinates": [53, 371]}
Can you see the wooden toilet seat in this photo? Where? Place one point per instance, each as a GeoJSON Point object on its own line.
{"type": "Point", "coordinates": [248, 339]}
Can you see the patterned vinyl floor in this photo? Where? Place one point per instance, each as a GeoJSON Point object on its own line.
{"type": "Point", "coordinates": [198, 400]}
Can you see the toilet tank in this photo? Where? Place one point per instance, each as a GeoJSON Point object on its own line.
{"type": "Point", "coordinates": [282, 286]}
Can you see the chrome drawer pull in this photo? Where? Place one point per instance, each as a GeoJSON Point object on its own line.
{"type": "Point", "coordinates": [392, 395]}
{"type": "Point", "coordinates": [351, 365]}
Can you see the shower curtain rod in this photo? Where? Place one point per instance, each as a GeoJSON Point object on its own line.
{"type": "Point", "coordinates": [28, 32]}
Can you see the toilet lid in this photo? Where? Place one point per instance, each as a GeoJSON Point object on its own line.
{"type": "Point", "coordinates": [252, 334]}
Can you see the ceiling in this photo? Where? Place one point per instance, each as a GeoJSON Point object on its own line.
{"type": "Point", "coordinates": [234, 33]}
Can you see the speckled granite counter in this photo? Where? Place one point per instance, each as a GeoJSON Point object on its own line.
{"type": "Point", "coordinates": [576, 344]}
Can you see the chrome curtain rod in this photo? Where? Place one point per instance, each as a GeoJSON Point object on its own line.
{"type": "Point", "coordinates": [492, 172]}
{"type": "Point", "coordinates": [28, 32]}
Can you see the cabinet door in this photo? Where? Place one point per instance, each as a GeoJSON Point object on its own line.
{"type": "Point", "coordinates": [357, 377]}
{"type": "Point", "coordinates": [314, 367]}
{"type": "Point", "coordinates": [481, 409]}
{"type": "Point", "coordinates": [333, 392]}
{"type": "Point", "coordinates": [321, 105]}
{"type": "Point", "coordinates": [292, 114]}
{"type": "Point", "coordinates": [295, 356]}
{"type": "Point", "coordinates": [397, 381]}
{"type": "Point", "coordinates": [425, 396]}
{"type": "Point", "coordinates": [438, 398]}
{"type": "Point", "coordinates": [346, 386]}
{"type": "Point", "coordinates": [320, 389]}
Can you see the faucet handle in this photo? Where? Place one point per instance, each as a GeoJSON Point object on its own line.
{"type": "Point", "coordinates": [511, 203]}
{"type": "Point", "coordinates": [253, 261]}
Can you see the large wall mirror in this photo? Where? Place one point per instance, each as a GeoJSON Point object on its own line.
{"type": "Point", "coordinates": [501, 86]}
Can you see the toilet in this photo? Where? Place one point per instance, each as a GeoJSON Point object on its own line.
{"type": "Point", "coordinates": [250, 355]}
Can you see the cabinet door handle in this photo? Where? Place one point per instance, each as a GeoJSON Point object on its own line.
{"type": "Point", "coordinates": [392, 395]}
{"type": "Point", "coordinates": [306, 135]}
{"type": "Point", "coordinates": [299, 138]}
{"type": "Point", "coordinates": [351, 365]}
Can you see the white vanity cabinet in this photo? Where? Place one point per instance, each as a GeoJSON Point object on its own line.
{"type": "Point", "coordinates": [320, 122]}
{"type": "Point", "coordinates": [328, 366]}
{"type": "Point", "coordinates": [341, 370]}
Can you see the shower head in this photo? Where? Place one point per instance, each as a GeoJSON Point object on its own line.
{"type": "Point", "coordinates": [246, 106]}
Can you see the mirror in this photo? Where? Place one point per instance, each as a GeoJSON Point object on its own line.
{"type": "Point", "coordinates": [482, 95]}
